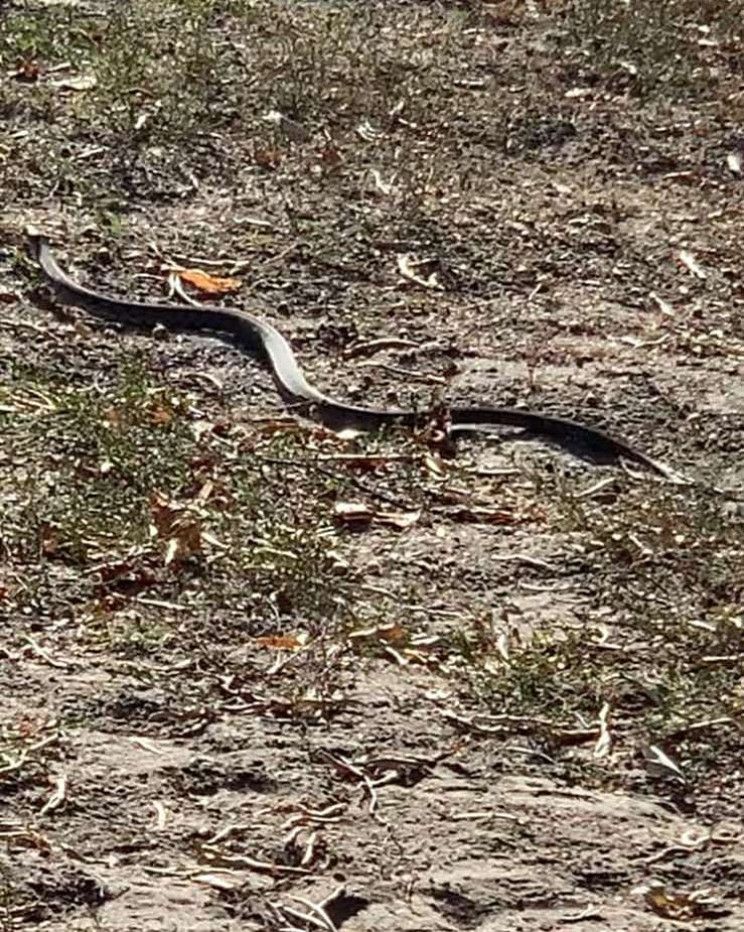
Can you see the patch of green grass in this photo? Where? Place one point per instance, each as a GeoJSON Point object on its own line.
{"type": "Point", "coordinates": [331, 63]}
{"type": "Point", "coordinates": [52, 33]}
{"type": "Point", "coordinates": [114, 497]}
{"type": "Point", "coordinates": [160, 75]}
{"type": "Point", "coordinates": [91, 459]}
{"type": "Point", "coordinates": [159, 79]}
{"type": "Point", "coordinates": [658, 46]}
{"type": "Point", "coordinates": [178, 89]}
{"type": "Point", "coordinates": [661, 630]}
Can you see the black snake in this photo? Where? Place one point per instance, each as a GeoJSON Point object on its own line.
{"type": "Point", "coordinates": [265, 341]}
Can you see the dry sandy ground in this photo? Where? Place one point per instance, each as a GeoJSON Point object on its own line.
{"type": "Point", "coordinates": [508, 697]}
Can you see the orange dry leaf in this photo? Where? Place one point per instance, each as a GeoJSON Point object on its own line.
{"type": "Point", "coordinates": [48, 539]}
{"type": "Point", "coordinates": [679, 905]}
{"type": "Point", "coordinates": [160, 415]}
{"type": "Point", "coordinates": [114, 416]}
{"type": "Point", "coordinates": [267, 158]}
{"type": "Point", "coordinates": [393, 634]}
{"type": "Point", "coordinates": [209, 284]}
{"type": "Point", "coordinates": [177, 527]}
{"type": "Point", "coordinates": [27, 70]}
{"type": "Point", "coordinates": [280, 642]}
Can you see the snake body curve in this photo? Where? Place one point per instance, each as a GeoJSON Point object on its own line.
{"type": "Point", "coordinates": [265, 341]}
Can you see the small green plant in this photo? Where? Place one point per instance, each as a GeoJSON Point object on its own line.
{"type": "Point", "coordinates": [41, 36]}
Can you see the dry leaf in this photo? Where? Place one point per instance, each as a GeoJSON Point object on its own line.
{"type": "Point", "coordinates": [354, 514]}
{"type": "Point", "coordinates": [602, 747]}
{"type": "Point", "coordinates": [690, 262]}
{"type": "Point", "coordinates": [123, 578]}
{"type": "Point", "coordinates": [663, 306]}
{"type": "Point", "coordinates": [433, 465]}
{"type": "Point", "coordinates": [660, 763]}
{"type": "Point", "coordinates": [348, 433]}
{"type": "Point", "coordinates": [27, 70]}
{"type": "Point", "coordinates": [209, 284]}
{"type": "Point", "coordinates": [177, 526]}
{"type": "Point", "coordinates": [330, 156]}
{"type": "Point", "coordinates": [266, 157]}
{"type": "Point", "coordinates": [679, 906]}
{"type": "Point", "coordinates": [280, 642]}
{"type": "Point", "coordinates": [393, 634]}
{"type": "Point", "coordinates": [358, 515]}
{"type": "Point", "coordinates": [115, 417]}
{"type": "Point", "coordinates": [407, 268]}
{"type": "Point", "coordinates": [398, 519]}
{"type": "Point", "coordinates": [292, 129]}
{"type": "Point", "coordinates": [82, 82]}
{"type": "Point", "coordinates": [361, 462]}
{"type": "Point", "coordinates": [48, 539]}
{"type": "Point", "coordinates": [224, 880]}
{"type": "Point", "coordinates": [160, 415]}
{"type": "Point", "coordinates": [368, 132]}
{"type": "Point", "coordinates": [161, 815]}
{"type": "Point", "coordinates": [381, 186]}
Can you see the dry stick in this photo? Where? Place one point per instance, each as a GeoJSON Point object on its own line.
{"type": "Point", "coordinates": [256, 222]}
{"type": "Point", "coordinates": [303, 917]}
{"type": "Point", "coordinates": [242, 862]}
{"type": "Point", "coordinates": [46, 656]}
{"type": "Point", "coordinates": [280, 255]}
{"type": "Point", "coordinates": [374, 346]}
{"type": "Point", "coordinates": [191, 261]}
{"type": "Point", "coordinates": [425, 377]}
{"type": "Point", "coordinates": [24, 754]}
{"type": "Point", "coordinates": [332, 896]}
{"type": "Point", "coordinates": [280, 917]}
{"type": "Point", "coordinates": [309, 854]}
{"type": "Point", "coordinates": [526, 559]}
{"type": "Point", "coordinates": [595, 487]}
{"type": "Point", "coordinates": [370, 458]}
{"type": "Point", "coordinates": [347, 767]}
{"type": "Point", "coordinates": [331, 813]}
{"type": "Point", "coordinates": [58, 796]}
{"type": "Point", "coordinates": [318, 910]}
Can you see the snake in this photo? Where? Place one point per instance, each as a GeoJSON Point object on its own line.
{"type": "Point", "coordinates": [261, 339]}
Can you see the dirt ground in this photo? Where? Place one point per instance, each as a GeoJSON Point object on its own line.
{"type": "Point", "coordinates": [258, 675]}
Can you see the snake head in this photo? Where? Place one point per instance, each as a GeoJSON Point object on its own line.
{"type": "Point", "coordinates": [34, 242]}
